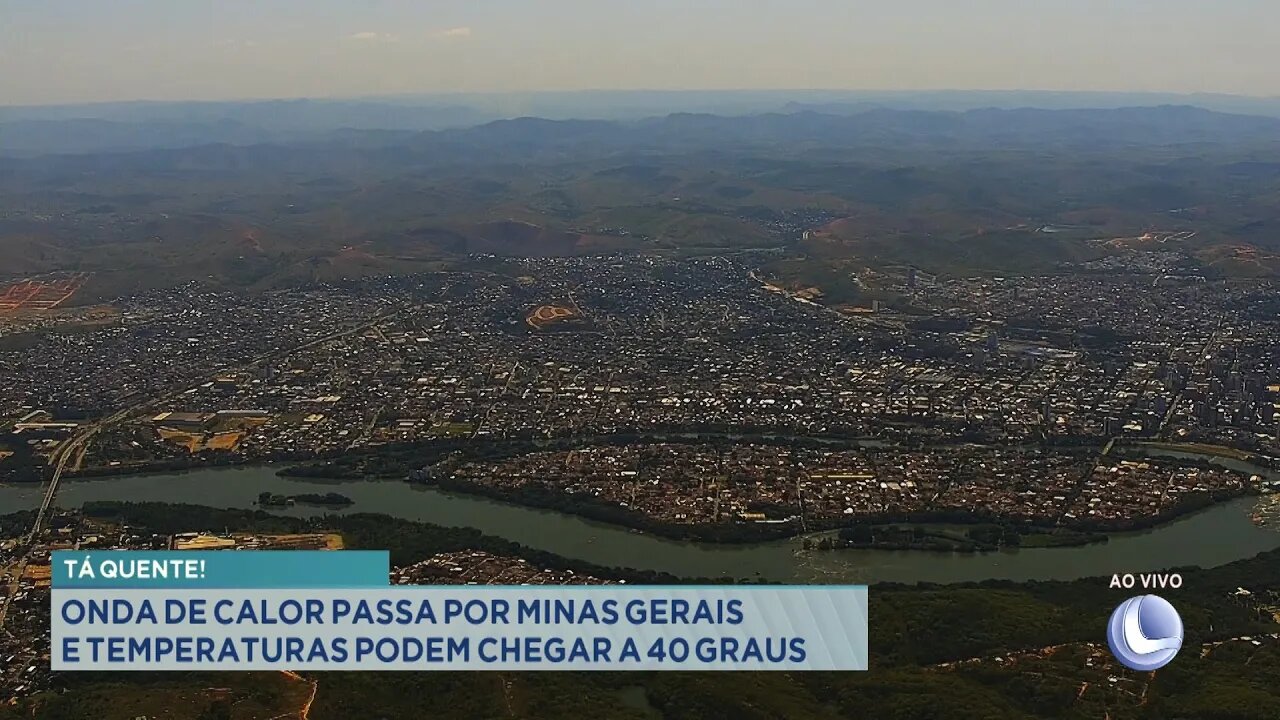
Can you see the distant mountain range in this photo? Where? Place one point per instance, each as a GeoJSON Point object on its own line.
{"type": "Point", "coordinates": [112, 127]}
{"type": "Point", "coordinates": [231, 202]}
{"type": "Point", "coordinates": [1164, 125]}
{"type": "Point", "coordinates": [530, 139]}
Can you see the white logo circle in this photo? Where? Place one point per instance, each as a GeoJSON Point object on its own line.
{"type": "Point", "coordinates": [1144, 632]}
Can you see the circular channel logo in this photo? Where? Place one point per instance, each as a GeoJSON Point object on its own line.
{"type": "Point", "coordinates": [1144, 632]}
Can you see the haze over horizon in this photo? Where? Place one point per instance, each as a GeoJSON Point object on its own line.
{"type": "Point", "coordinates": [62, 52]}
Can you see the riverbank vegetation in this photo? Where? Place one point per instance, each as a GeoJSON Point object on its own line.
{"type": "Point", "coordinates": [331, 499]}
{"type": "Point", "coordinates": [438, 463]}
{"type": "Point", "coordinates": [16, 524]}
{"type": "Point", "coordinates": [913, 607]}
{"type": "Point", "coordinates": [976, 534]}
{"type": "Point", "coordinates": [994, 650]}
{"type": "Point", "coordinates": [407, 541]}
{"type": "Point", "coordinates": [950, 538]}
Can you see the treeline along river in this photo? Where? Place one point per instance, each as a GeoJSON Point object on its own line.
{"type": "Point", "coordinates": [1212, 537]}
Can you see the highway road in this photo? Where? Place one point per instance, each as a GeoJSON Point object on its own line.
{"type": "Point", "coordinates": [61, 457]}
{"type": "Point", "coordinates": [15, 572]}
{"type": "Point", "coordinates": [67, 458]}
{"type": "Point", "coordinates": [68, 450]}
{"type": "Point", "coordinates": [73, 447]}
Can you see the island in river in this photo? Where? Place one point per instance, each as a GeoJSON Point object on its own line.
{"type": "Point", "coordinates": [330, 499]}
{"type": "Point", "coordinates": [949, 498]}
{"type": "Point", "coordinates": [1177, 543]}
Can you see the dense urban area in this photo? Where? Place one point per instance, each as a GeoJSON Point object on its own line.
{"type": "Point", "coordinates": [668, 394]}
{"type": "Point", "coordinates": [854, 398]}
{"type": "Point", "coordinates": [1036, 368]}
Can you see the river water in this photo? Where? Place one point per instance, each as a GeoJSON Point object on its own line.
{"type": "Point", "coordinates": [1209, 538]}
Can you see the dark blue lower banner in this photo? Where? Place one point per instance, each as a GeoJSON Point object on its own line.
{"type": "Point", "coordinates": [221, 614]}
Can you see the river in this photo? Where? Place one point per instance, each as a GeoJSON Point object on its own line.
{"type": "Point", "coordinates": [1209, 538]}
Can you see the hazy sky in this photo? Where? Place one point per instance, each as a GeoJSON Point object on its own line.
{"type": "Point", "coordinates": [90, 50]}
